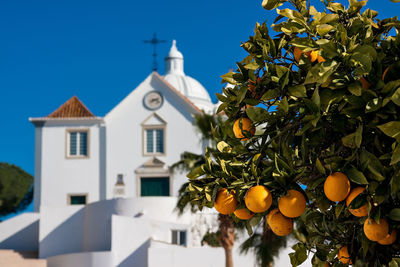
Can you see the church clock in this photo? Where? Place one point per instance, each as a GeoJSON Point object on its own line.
{"type": "Point", "coordinates": [153, 100]}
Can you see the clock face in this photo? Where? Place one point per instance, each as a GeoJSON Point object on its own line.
{"type": "Point", "coordinates": [153, 100]}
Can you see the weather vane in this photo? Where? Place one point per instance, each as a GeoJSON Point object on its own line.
{"type": "Point", "coordinates": [154, 42]}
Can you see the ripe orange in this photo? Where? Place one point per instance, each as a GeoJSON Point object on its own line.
{"type": "Point", "coordinates": [389, 239]}
{"type": "Point", "coordinates": [293, 204]}
{"type": "Point", "coordinates": [242, 127]}
{"type": "Point", "coordinates": [225, 203]}
{"type": "Point", "coordinates": [365, 84]}
{"type": "Point", "coordinates": [243, 214]}
{"type": "Point", "coordinates": [314, 55]}
{"type": "Point", "coordinates": [362, 211]}
{"type": "Point", "coordinates": [343, 255]}
{"type": "Point", "coordinates": [279, 224]}
{"type": "Point", "coordinates": [337, 186]}
{"type": "Point", "coordinates": [321, 59]}
{"type": "Point", "coordinates": [258, 199]}
{"type": "Point", "coordinates": [374, 231]}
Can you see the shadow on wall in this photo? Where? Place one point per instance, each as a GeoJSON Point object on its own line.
{"type": "Point", "coordinates": [23, 240]}
{"type": "Point", "coordinates": [138, 257]}
{"type": "Point", "coordinates": [65, 238]}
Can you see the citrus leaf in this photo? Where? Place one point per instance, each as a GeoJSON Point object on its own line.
{"type": "Point", "coordinates": [356, 176]}
{"type": "Point", "coordinates": [394, 214]}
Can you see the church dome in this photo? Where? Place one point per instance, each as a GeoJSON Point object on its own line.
{"type": "Point", "coordinates": [186, 85]}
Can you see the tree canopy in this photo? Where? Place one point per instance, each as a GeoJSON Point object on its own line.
{"type": "Point", "coordinates": [315, 108]}
{"type": "Point", "coordinates": [16, 189]}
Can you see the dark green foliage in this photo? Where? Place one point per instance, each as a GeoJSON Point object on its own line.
{"type": "Point", "coordinates": [16, 190]}
{"type": "Point", "coordinates": [315, 117]}
{"type": "Point", "coordinates": [264, 244]}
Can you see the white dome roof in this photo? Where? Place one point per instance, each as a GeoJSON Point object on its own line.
{"type": "Point", "coordinates": [186, 85]}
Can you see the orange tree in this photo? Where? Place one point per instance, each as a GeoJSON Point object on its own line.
{"type": "Point", "coordinates": [313, 122]}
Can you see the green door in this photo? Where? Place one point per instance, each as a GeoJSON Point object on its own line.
{"type": "Point", "coordinates": [154, 186]}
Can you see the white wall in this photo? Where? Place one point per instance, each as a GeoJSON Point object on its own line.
{"type": "Point", "coordinates": [124, 135]}
{"type": "Point", "coordinates": [86, 259]}
{"type": "Point", "coordinates": [60, 230]}
{"type": "Point", "coordinates": [20, 233]}
{"type": "Point", "coordinates": [60, 175]}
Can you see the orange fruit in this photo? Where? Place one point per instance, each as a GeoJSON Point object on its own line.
{"type": "Point", "coordinates": [279, 224]}
{"type": "Point", "coordinates": [293, 204]}
{"type": "Point", "coordinates": [242, 127]}
{"type": "Point", "coordinates": [314, 55]}
{"type": "Point", "coordinates": [297, 52]}
{"type": "Point", "coordinates": [374, 231]}
{"type": "Point", "coordinates": [365, 84]}
{"type": "Point", "coordinates": [343, 255]}
{"type": "Point", "coordinates": [362, 211]}
{"type": "Point", "coordinates": [258, 199]}
{"type": "Point", "coordinates": [389, 239]}
{"type": "Point", "coordinates": [225, 203]}
{"type": "Point", "coordinates": [243, 214]}
{"type": "Point", "coordinates": [337, 186]}
{"type": "Point", "coordinates": [384, 73]}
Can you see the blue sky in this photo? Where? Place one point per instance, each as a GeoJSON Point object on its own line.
{"type": "Point", "coordinates": [51, 50]}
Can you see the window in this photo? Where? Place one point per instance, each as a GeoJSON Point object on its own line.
{"type": "Point", "coordinates": [178, 237]}
{"type": "Point", "coordinates": [120, 179]}
{"type": "Point", "coordinates": [154, 186]}
{"type": "Point", "coordinates": [77, 199]}
{"type": "Point", "coordinates": [154, 141]}
{"type": "Point", "coordinates": [77, 143]}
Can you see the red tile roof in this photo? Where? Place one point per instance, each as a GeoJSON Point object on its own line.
{"type": "Point", "coordinates": [73, 108]}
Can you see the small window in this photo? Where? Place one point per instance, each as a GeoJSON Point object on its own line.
{"type": "Point", "coordinates": [178, 237]}
{"type": "Point", "coordinates": [120, 179]}
{"type": "Point", "coordinates": [78, 143]}
{"type": "Point", "coordinates": [77, 199]}
{"type": "Point", "coordinates": [154, 141]}
{"type": "Point", "coordinates": [154, 186]}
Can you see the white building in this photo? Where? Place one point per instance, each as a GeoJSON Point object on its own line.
{"type": "Point", "coordinates": [104, 194]}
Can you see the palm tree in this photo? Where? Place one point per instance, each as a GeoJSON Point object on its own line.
{"type": "Point", "coordinates": [205, 124]}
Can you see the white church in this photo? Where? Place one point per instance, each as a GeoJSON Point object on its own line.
{"type": "Point", "coordinates": [104, 195]}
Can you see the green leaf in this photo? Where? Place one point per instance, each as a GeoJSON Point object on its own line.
{"type": "Point", "coordinates": [338, 209]}
{"type": "Point", "coordinates": [356, 176]}
{"type": "Point", "coordinates": [394, 214]}
{"type": "Point", "coordinates": [229, 78]}
{"type": "Point", "coordinates": [299, 256]}
{"type": "Point", "coordinates": [353, 140]}
{"type": "Point", "coordinates": [298, 91]}
{"type": "Point", "coordinates": [271, 4]}
{"type": "Point", "coordinates": [396, 155]}
{"type": "Point", "coordinates": [396, 97]}
{"type": "Point", "coordinates": [224, 147]}
{"type": "Point", "coordinates": [284, 105]}
{"type": "Point", "coordinates": [355, 88]}
{"type": "Point", "coordinates": [195, 173]}
{"type": "Point", "coordinates": [320, 167]}
{"type": "Point", "coordinates": [324, 29]}
{"type": "Point", "coordinates": [391, 129]}
{"type": "Point", "coordinates": [257, 114]}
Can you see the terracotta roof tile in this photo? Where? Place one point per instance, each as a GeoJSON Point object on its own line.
{"type": "Point", "coordinates": [73, 108]}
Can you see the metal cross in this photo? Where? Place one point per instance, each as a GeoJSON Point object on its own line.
{"type": "Point", "coordinates": [154, 42]}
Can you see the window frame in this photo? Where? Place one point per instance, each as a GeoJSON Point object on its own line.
{"type": "Point", "coordinates": [144, 140]}
{"type": "Point", "coordinates": [70, 195]}
{"type": "Point", "coordinates": [178, 237]}
{"type": "Point", "coordinates": [139, 189]}
{"type": "Point", "coordinates": [67, 143]}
